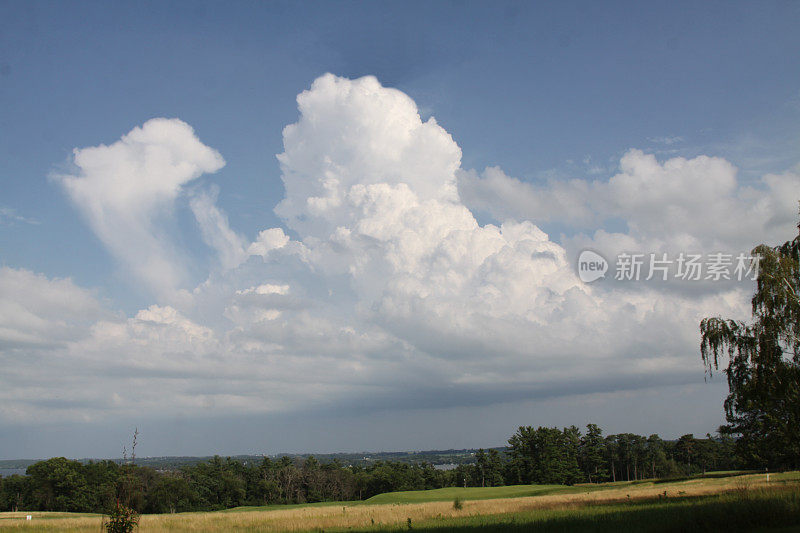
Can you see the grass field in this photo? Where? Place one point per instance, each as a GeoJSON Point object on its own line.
{"type": "Point", "coordinates": [738, 503]}
{"type": "Point", "coordinates": [474, 493]}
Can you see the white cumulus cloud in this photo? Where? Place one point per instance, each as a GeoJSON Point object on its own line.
{"type": "Point", "coordinates": [127, 190]}
{"type": "Point", "coordinates": [693, 204]}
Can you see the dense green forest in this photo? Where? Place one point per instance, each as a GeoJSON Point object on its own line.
{"type": "Point", "coordinates": [534, 455]}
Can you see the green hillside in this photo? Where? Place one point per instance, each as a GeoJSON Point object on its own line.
{"type": "Point", "coordinates": [473, 493]}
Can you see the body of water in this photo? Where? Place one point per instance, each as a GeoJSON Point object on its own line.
{"type": "Point", "coordinates": [5, 472]}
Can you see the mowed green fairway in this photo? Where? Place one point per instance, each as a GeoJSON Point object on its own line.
{"type": "Point", "coordinates": [521, 491]}
{"type": "Point", "coordinates": [473, 493]}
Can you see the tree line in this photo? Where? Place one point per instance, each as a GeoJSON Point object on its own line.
{"type": "Point", "coordinates": [534, 455]}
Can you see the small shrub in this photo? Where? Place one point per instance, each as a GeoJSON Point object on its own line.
{"type": "Point", "coordinates": [458, 504]}
{"type": "Point", "coordinates": [122, 519]}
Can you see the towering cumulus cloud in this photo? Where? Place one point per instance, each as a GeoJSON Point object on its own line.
{"type": "Point", "coordinates": [371, 189]}
{"type": "Point", "coordinates": [358, 133]}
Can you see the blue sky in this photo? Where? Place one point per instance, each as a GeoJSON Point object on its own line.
{"type": "Point", "coordinates": [545, 92]}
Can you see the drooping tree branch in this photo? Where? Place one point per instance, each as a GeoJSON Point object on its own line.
{"type": "Point", "coordinates": [763, 361]}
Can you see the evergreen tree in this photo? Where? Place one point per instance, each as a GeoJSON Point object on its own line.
{"type": "Point", "coordinates": [592, 452]}
{"type": "Point", "coordinates": [656, 457]}
{"type": "Point", "coordinates": [494, 469]}
{"type": "Point", "coordinates": [482, 463]}
{"type": "Point", "coordinates": [546, 455]}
